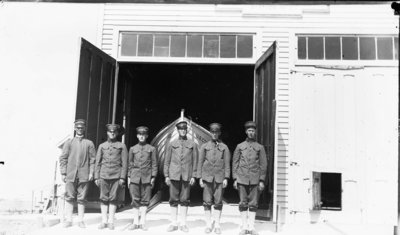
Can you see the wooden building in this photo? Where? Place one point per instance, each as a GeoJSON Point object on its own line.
{"type": "Point", "coordinates": [320, 79]}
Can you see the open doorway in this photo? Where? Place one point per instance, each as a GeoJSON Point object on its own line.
{"type": "Point", "coordinates": [135, 94]}
{"type": "Point", "coordinates": [331, 191]}
{"type": "Point", "coordinates": [154, 94]}
{"type": "Point", "coordinates": [327, 191]}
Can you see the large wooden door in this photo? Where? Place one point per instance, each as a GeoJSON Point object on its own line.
{"type": "Point", "coordinates": [96, 97]}
{"type": "Point", "coordinates": [96, 85]}
{"type": "Point", "coordinates": [264, 116]}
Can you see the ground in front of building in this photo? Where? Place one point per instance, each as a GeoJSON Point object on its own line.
{"type": "Point", "coordinates": [158, 221]}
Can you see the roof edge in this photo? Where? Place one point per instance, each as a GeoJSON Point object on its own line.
{"type": "Point", "coordinates": [232, 2]}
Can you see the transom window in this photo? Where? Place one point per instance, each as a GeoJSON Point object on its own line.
{"type": "Point", "coordinates": [194, 45]}
{"type": "Point", "coordinates": [347, 47]}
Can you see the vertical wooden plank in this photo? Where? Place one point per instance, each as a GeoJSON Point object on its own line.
{"type": "Point", "coordinates": [128, 84]}
{"type": "Point", "coordinates": [93, 101]}
{"type": "Point", "coordinates": [345, 122]}
{"type": "Point", "coordinates": [316, 190]}
{"type": "Point", "coordinates": [324, 121]}
{"type": "Point", "coordinates": [115, 95]}
{"type": "Point", "coordinates": [111, 89]}
{"type": "Point", "coordinates": [377, 154]}
{"type": "Point", "coordinates": [351, 198]}
{"type": "Point", "coordinates": [119, 99]}
{"type": "Point", "coordinates": [105, 101]}
{"type": "Point", "coordinates": [303, 135]}
{"type": "Point", "coordinates": [83, 84]}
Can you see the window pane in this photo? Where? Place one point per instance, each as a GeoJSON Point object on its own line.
{"type": "Point", "coordinates": [332, 48]}
{"type": "Point", "coordinates": [161, 45]}
{"type": "Point", "coordinates": [128, 44]}
{"type": "Point", "coordinates": [211, 46]}
{"type": "Point", "coordinates": [178, 45]}
{"type": "Point", "coordinates": [385, 48]}
{"type": "Point", "coordinates": [145, 47]}
{"type": "Point", "coordinates": [301, 48]}
{"type": "Point", "coordinates": [194, 45]}
{"type": "Point", "coordinates": [349, 48]}
{"type": "Point", "coordinates": [396, 48]}
{"type": "Point", "coordinates": [244, 46]}
{"type": "Point", "coordinates": [367, 48]}
{"type": "Point", "coordinates": [228, 46]}
{"type": "Point", "coordinates": [315, 48]}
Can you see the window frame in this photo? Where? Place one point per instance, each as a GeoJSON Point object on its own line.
{"type": "Point", "coordinates": [116, 50]}
{"type": "Point", "coordinates": [341, 62]}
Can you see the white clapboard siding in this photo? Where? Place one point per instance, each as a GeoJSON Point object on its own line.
{"type": "Point", "coordinates": [270, 23]}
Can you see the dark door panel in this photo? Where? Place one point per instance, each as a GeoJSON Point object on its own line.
{"type": "Point", "coordinates": [264, 115]}
{"type": "Point", "coordinates": [95, 90]}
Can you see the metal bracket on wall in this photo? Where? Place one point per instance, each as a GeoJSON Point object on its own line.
{"type": "Point", "coordinates": [338, 67]}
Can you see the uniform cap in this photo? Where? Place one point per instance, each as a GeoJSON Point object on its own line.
{"type": "Point", "coordinates": [80, 122]}
{"type": "Point", "coordinates": [215, 127]}
{"type": "Point", "coordinates": [113, 127]}
{"type": "Point", "coordinates": [142, 130]}
{"type": "Point", "coordinates": [250, 124]}
{"type": "Point", "coordinates": [181, 125]}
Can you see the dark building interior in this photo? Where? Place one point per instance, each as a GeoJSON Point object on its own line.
{"type": "Point", "coordinates": [154, 94]}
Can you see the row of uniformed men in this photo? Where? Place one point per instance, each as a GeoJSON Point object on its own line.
{"type": "Point", "coordinates": [80, 164]}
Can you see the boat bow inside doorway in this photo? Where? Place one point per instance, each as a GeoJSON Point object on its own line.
{"type": "Point", "coordinates": [164, 137]}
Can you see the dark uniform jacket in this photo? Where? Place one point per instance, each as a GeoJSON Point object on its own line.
{"type": "Point", "coordinates": [249, 164]}
{"type": "Point", "coordinates": [142, 163]}
{"type": "Point", "coordinates": [181, 160]}
{"type": "Point", "coordinates": [77, 159]}
{"type": "Point", "coordinates": [111, 161]}
{"type": "Point", "coordinates": [214, 162]}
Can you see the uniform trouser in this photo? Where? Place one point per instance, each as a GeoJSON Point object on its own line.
{"type": "Point", "coordinates": [76, 191]}
{"type": "Point", "coordinates": [179, 193]}
{"type": "Point", "coordinates": [212, 194]}
{"type": "Point", "coordinates": [140, 194]}
{"type": "Point", "coordinates": [249, 195]}
{"type": "Point", "coordinates": [109, 190]}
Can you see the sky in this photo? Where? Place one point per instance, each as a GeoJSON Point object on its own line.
{"type": "Point", "coordinates": [38, 72]}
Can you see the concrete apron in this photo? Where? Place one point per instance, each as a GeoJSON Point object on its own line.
{"type": "Point", "coordinates": [158, 220]}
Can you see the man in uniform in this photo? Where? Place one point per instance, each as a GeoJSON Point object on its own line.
{"type": "Point", "coordinates": [77, 169]}
{"type": "Point", "coordinates": [110, 174]}
{"type": "Point", "coordinates": [249, 167]}
{"type": "Point", "coordinates": [141, 175]}
{"type": "Point", "coordinates": [214, 171]}
{"type": "Point", "coordinates": [180, 171]}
